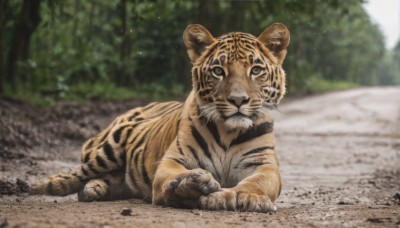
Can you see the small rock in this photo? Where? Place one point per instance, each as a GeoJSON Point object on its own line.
{"type": "Point", "coordinates": [126, 211]}
{"type": "Point", "coordinates": [197, 212]}
{"type": "Point", "coordinates": [375, 220]}
{"type": "Point", "coordinates": [344, 203]}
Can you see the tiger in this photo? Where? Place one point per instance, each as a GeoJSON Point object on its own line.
{"type": "Point", "coordinates": [214, 151]}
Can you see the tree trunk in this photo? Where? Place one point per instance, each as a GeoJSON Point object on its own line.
{"type": "Point", "coordinates": [75, 25]}
{"type": "Point", "coordinates": [122, 31]}
{"type": "Point", "coordinates": [26, 24]}
{"type": "Point", "coordinates": [3, 12]}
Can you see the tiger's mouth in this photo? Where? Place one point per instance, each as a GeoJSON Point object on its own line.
{"type": "Point", "coordinates": [238, 115]}
{"type": "Point", "coordinates": [238, 120]}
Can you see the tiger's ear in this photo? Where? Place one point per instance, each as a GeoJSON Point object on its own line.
{"type": "Point", "coordinates": [196, 39]}
{"type": "Point", "coordinates": [276, 38]}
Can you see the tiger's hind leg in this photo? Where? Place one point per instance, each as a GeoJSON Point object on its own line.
{"type": "Point", "coordinates": [109, 187]}
{"type": "Point", "coordinates": [104, 162]}
{"type": "Point", "coordinates": [64, 184]}
{"type": "Point", "coordinates": [101, 155]}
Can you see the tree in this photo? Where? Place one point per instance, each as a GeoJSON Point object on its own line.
{"type": "Point", "coordinates": [3, 10]}
{"type": "Point", "coordinates": [87, 46]}
{"type": "Point", "coordinates": [28, 20]}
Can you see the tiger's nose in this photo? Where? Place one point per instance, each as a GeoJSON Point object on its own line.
{"type": "Point", "coordinates": [238, 99]}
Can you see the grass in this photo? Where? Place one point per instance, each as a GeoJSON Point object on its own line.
{"type": "Point", "coordinates": [319, 85]}
{"type": "Point", "coordinates": [82, 92]}
{"type": "Point", "coordinates": [85, 91]}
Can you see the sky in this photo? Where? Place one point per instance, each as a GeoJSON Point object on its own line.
{"type": "Point", "coordinates": [386, 13]}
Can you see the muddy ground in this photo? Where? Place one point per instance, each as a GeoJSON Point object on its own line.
{"type": "Point", "coordinates": [339, 154]}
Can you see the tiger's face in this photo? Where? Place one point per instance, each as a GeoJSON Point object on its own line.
{"type": "Point", "coordinates": [237, 77]}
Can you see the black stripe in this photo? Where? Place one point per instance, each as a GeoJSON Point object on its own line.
{"type": "Point", "coordinates": [128, 134]}
{"type": "Point", "coordinates": [117, 134]}
{"type": "Point", "coordinates": [258, 61]}
{"type": "Point", "coordinates": [108, 150]}
{"type": "Point", "coordinates": [251, 164]}
{"type": "Point", "coordinates": [84, 171]}
{"type": "Point", "coordinates": [136, 155]}
{"type": "Point", "coordinates": [209, 61]}
{"type": "Point", "coordinates": [201, 142]}
{"type": "Point", "coordinates": [222, 45]}
{"type": "Point", "coordinates": [137, 135]}
{"type": "Point", "coordinates": [180, 161]}
{"type": "Point", "coordinates": [141, 141]}
{"type": "Point", "coordinates": [144, 170]}
{"type": "Point", "coordinates": [89, 144]}
{"type": "Point", "coordinates": [133, 179]}
{"type": "Point", "coordinates": [180, 150]}
{"type": "Point", "coordinates": [136, 158]}
{"type": "Point", "coordinates": [257, 150]}
{"type": "Point", "coordinates": [122, 156]}
{"type": "Point", "coordinates": [202, 80]}
{"type": "Point", "coordinates": [179, 146]}
{"type": "Point", "coordinates": [177, 125]}
{"type": "Point", "coordinates": [101, 162]}
{"type": "Point", "coordinates": [133, 116]}
{"type": "Point", "coordinates": [87, 157]}
{"type": "Point", "coordinates": [254, 132]}
{"type": "Point", "coordinates": [92, 168]}
{"type": "Point", "coordinates": [212, 128]}
{"type": "Point", "coordinates": [194, 153]}
{"type": "Point", "coordinates": [104, 137]}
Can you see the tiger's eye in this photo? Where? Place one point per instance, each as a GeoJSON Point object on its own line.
{"type": "Point", "coordinates": [256, 70]}
{"type": "Point", "coordinates": [218, 71]}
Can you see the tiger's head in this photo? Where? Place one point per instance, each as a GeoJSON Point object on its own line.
{"type": "Point", "coordinates": [237, 77]}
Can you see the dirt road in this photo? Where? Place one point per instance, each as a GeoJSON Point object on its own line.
{"type": "Point", "coordinates": [339, 153]}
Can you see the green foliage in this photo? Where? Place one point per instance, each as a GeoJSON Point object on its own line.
{"type": "Point", "coordinates": [317, 84]}
{"type": "Point", "coordinates": [123, 49]}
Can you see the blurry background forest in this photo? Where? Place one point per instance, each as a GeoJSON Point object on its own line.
{"type": "Point", "coordinates": [120, 49]}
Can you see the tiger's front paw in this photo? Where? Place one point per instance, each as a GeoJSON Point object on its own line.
{"type": "Point", "coordinates": [222, 200]}
{"type": "Point", "coordinates": [254, 203]}
{"type": "Point", "coordinates": [94, 190]}
{"type": "Point", "coordinates": [193, 184]}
